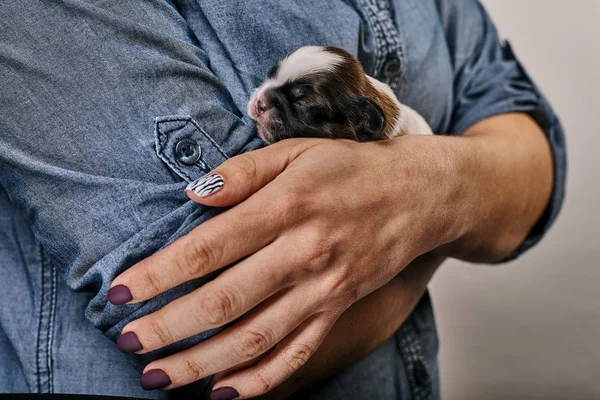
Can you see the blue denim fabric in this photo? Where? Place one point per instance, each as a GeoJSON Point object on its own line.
{"type": "Point", "coordinates": [95, 96]}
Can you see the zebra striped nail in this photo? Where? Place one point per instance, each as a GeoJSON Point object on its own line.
{"type": "Point", "coordinates": [207, 185]}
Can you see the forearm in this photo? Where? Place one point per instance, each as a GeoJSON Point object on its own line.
{"type": "Point", "coordinates": [504, 169]}
{"type": "Point", "coordinates": [489, 186]}
{"type": "Point", "coordinates": [365, 326]}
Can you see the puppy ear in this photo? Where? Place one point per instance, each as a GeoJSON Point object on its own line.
{"type": "Point", "coordinates": [367, 119]}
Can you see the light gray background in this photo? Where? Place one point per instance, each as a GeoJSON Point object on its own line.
{"type": "Point", "coordinates": [531, 329]}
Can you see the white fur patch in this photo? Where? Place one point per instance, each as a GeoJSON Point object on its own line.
{"type": "Point", "coordinates": [304, 61]}
{"type": "Point", "coordinates": [408, 121]}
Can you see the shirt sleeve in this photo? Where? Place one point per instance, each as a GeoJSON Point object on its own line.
{"type": "Point", "coordinates": [489, 80]}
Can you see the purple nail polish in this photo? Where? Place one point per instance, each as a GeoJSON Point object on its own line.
{"type": "Point", "coordinates": [119, 294]}
{"type": "Point", "coordinates": [155, 379]}
{"type": "Point", "coordinates": [129, 343]}
{"type": "Point", "coordinates": [224, 393]}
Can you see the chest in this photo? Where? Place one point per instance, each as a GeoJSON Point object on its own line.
{"type": "Point", "coordinates": [400, 42]}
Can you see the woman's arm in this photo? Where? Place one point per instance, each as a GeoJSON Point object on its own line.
{"type": "Point", "coordinates": [493, 154]}
{"type": "Point", "coordinates": [488, 163]}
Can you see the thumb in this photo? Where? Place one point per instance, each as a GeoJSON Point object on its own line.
{"type": "Point", "coordinates": [241, 176]}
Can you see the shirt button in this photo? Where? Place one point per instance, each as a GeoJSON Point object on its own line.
{"type": "Point", "coordinates": [420, 373]}
{"type": "Point", "coordinates": [188, 151]}
{"type": "Point", "coordinates": [391, 68]}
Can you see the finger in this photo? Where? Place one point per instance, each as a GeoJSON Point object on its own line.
{"type": "Point", "coordinates": [239, 177]}
{"type": "Point", "coordinates": [279, 364]}
{"type": "Point", "coordinates": [244, 341]}
{"type": "Point", "coordinates": [235, 292]}
{"type": "Point", "coordinates": [218, 242]}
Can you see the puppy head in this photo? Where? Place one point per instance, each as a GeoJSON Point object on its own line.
{"type": "Point", "coordinates": [322, 92]}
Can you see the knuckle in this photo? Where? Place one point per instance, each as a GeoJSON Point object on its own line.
{"type": "Point", "coordinates": [247, 165]}
{"type": "Point", "coordinates": [284, 205]}
{"type": "Point", "coordinates": [218, 307]}
{"type": "Point", "coordinates": [291, 205]}
{"type": "Point", "coordinates": [160, 332]}
{"type": "Point", "coordinates": [153, 280]}
{"type": "Point", "coordinates": [263, 383]}
{"type": "Point", "coordinates": [339, 285]}
{"type": "Point", "coordinates": [198, 256]}
{"type": "Point", "coordinates": [297, 355]}
{"type": "Point", "coordinates": [254, 342]}
{"type": "Point", "coordinates": [319, 251]}
{"type": "Point", "coordinates": [194, 370]}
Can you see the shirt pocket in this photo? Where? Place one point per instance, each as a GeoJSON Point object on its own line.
{"type": "Point", "coordinates": [185, 147]}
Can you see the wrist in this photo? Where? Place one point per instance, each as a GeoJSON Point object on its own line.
{"type": "Point", "coordinates": [468, 201]}
{"type": "Point", "coordinates": [443, 200]}
{"type": "Point", "coordinates": [503, 168]}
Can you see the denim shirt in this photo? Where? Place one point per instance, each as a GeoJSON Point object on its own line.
{"type": "Point", "coordinates": [99, 99]}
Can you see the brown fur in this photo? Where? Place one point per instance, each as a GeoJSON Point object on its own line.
{"type": "Point", "coordinates": [354, 76]}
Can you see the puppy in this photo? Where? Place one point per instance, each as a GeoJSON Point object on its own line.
{"type": "Point", "coordinates": [324, 92]}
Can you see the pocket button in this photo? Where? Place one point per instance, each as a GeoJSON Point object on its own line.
{"type": "Point", "coordinates": [188, 151]}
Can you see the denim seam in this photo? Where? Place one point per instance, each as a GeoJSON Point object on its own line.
{"type": "Point", "coordinates": [207, 136]}
{"type": "Point", "coordinates": [46, 323]}
{"type": "Point", "coordinates": [52, 323]}
{"type": "Point", "coordinates": [387, 38]}
{"type": "Point", "coordinates": [412, 353]}
{"type": "Point", "coordinates": [39, 328]}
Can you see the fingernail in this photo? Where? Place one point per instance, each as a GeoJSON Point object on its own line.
{"type": "Point", "coordinates": [129, 343]}
{"type": "Point", "coordinates": [207, 185]}
{"type": "Point", "coordinates": [155, 379]}
{"type": "Point", "coordinates": [119, 294]}
{"type": "Point", "coordinates": [224, 393]}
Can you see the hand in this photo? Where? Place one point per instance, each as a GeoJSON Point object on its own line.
{"type": "Point", "coordinates": [348, 342]}
{"type": "Point", "coordinates": [318, 224]}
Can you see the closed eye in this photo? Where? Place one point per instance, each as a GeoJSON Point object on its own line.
{"type": "Point", "coordinates": [299, 93]}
